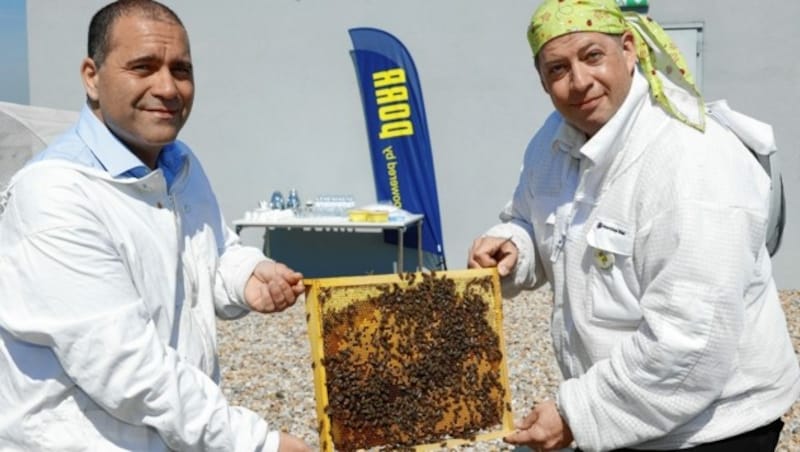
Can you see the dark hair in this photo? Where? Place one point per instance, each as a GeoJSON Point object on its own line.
{"type": "Point", "coordinates": [103, 21]}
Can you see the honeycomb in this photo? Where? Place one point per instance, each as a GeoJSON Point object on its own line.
{"type": "Point", "coordinates": [408, 361]}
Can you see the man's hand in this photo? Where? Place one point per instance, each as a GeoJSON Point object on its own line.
{"type": "Point", "coordinates": [543, 429]}
{"type": "Point", "coordinates": [493, 252]}
{"type": "Point", "coordinates": [289, 443]}
{"type": "Point", "coordinates": [272, 287]}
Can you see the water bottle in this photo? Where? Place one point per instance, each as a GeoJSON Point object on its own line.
{"type": "Point", "coordinates": [276, 201]}
{"type": "Point", "coordinates": [293, 201]}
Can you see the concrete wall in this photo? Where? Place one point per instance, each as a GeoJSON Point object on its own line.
{"type": "Point", "coordinates": [278, 107]}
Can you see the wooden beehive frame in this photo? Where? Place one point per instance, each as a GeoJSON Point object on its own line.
{"type": "Point", "coordinates": [328, 295]}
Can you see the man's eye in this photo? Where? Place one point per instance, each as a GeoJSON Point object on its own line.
{"type": "Point", "coordinates": [594, 55]}
{"type": "Point", "coordinates": [557, 70]}
{"type": "Point", "coordinates": [182, 72]}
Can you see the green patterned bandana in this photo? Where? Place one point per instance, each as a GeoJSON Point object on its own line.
{"type": "Point", "coordinates": [671, 84]}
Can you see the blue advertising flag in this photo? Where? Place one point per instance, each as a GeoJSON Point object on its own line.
{"type": "Point", "coordinates": [402, 162]}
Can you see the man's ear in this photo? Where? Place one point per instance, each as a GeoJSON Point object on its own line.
{"type": "Point", "coordinates": [539, 73]}
{"type": "Point", "coordinates": [629, 50]}
{"type": "Point", "coordinates": [89, 77]}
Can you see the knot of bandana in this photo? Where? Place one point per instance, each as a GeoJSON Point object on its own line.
{"type": "Point", "coordinates": [671, 84]}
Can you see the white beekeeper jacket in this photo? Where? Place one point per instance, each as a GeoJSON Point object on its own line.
{"type": "Point", "coordinates": [666, 321]}
{"type": "Point", "coordinates": [108, 294]}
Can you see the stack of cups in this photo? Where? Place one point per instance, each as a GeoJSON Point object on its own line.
{"type": "Point", "coordinates": [333, 205]}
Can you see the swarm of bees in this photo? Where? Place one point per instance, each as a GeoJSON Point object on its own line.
{"type": "Point", "coordinates": [415, 361]}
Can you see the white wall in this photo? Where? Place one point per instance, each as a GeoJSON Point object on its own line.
{"type": "Point", "coordinates": [278, 106]}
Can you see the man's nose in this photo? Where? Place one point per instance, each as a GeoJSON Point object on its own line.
{"type": "Point", "coordinates": [164, 84]}
{"type": "Point", "coordinates": [581, 77]}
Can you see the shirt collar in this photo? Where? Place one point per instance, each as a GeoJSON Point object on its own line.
{"type": "Point", "coordinates": [570, 139]}
{"type": "Point", "coordinates": [596, 148]}
{"type": "Point", "coordinates": [116, 158]}
{"type": "Point", "coordinates": [107, 149]}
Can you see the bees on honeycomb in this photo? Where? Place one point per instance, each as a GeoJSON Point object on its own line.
{"type": "Point", "coordinates": [410, 362]}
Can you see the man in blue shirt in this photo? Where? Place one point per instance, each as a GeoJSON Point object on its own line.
{"type": "Point", "coordinates": [115, 262]}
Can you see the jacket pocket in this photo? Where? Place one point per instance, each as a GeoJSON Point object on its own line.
{"type": "Point", "coordinates": [611, 283]}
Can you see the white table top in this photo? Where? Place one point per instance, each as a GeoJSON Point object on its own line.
{"type": "Point", "coordinates": [328, 222]}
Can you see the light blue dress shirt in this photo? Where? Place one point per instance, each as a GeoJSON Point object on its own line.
{"type": "Point", "coordinates": [90, 143]}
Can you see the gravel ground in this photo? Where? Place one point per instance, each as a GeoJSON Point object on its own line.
{"type": "Point", "coordinates": [266, 365]}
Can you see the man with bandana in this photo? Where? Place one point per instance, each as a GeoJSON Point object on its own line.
{"type": "Point", "coordinates": [648, 219]}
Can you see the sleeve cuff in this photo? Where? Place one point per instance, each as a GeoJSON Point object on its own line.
{"type": "Point", "coordinates": [523, 275]}
{"type": "Point", "coordinates": [571, 405]}
{"type": "Point", "coordinates": [236, 267]}
{"type": "Point", "coordinates": [272, 442]}
{"type": "Point", "coordinates": [242, 275]}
